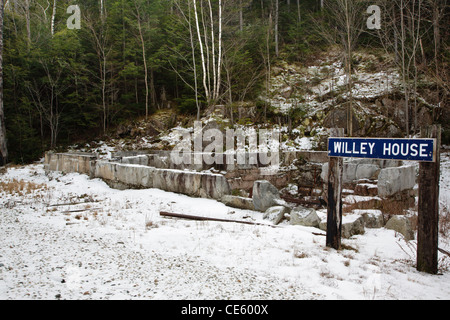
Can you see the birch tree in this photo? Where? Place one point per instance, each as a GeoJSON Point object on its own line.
{"type": "Point", "coordinates": [52, 27]}
{"type": "Point", "coordinates": [202, 53]}
{"type": "Point", "coordinates": [208, 29]}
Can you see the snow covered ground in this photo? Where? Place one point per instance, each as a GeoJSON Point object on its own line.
{"type": "Point", "coordinates": [69, 237]}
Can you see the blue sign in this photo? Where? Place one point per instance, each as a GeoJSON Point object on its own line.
{"type": "Point", "coordinates": [386, 149]}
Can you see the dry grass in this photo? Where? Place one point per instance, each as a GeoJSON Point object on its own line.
{"type": "Point", "coordinates": [149, 223]}
{"type": "Point", "coordinates": [20, 188]}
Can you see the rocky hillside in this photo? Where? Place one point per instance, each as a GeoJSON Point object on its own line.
{"type": "Point", "coordinates": [319, 94]}
{"type": "Point", "coordinates": [302, 102]}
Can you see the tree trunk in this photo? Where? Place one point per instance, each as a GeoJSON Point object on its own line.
{"type": "Point", "coordinates": [3, 146]}
{"type": "Point", "coordinates": [103, 79]}
{"type": "Point", "coordinates": [404, 70]}
{"type": "Point", "coordinates": [213, 49]}
{"type": "Point", "coordinates": [28, 20]}
{"type": "Point", "coordinates": [202, 53]}
{"type": "Point", "coordinates": [334, 190]}
{"type": "Point", "coordinates": [219, 63]}
{"type": "Point", "coordinates": [194, 65]}
{"type": "Point", "coordinates": [241, 16]}
{"type": "Point", "coordinates": [428, 207]}
{"type": "Point", "coordinates": [437, 43]}
{"type": "Point", "coordinates": [349, 72]}
{"type": "Point", "coordinates": [144, 58]}
{"type": "Point", "coordinates": [102, 10]}
{"type": "Point", "coordinates": [277, 12]}
{"type": "Point", "coordinates": [52, 27]}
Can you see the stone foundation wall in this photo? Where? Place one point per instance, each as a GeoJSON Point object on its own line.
{"type": "Point", "coordinates": [239, 176]}
{"type": "Point", "coordinates": [83, 163]}
{"type": "Point", "coordinates": [307, 170]}
{"type": "Point", "coordinates": [130, 175]}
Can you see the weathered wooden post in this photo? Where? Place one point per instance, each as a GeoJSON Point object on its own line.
{"type": "Point", "coordinates": [428, 208]}
{"type": "Point", "coordinates": [334, 210]}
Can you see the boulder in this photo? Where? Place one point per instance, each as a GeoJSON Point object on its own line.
{"type": "Point", "coordinates": [238, 202]}
{"type": "Point", "coordinates": [401, 224]}
{"type": "Point", "coordinates": [305, 217]}
{"type": "Point", "coordinates": [394, 180]}
{"type": "Point", "coordinates": [372, 218]}
{"type": "Point", "coordinates": [265, 195]}
{"type": "Point", "coordinates": [276, 214]}
{"type": "Point", "coordinates": [352, 225]}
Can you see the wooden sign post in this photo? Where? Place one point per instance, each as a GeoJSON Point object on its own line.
{"type": "Point", "coordinates": [425, 150]}
{"type": "Point", "coordinates": [334, 210]}
{"type": "Point", "coordinates": [428, 207]}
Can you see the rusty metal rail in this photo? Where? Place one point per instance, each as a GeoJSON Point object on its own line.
{"type": "Point", "coordinates": [199, 218]}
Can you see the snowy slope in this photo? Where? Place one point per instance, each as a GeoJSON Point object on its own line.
{"type": "Point", "coordinates": [120, 248]}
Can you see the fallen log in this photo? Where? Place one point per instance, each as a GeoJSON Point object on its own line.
{"type": "Point", "coordinates": [199, 218]}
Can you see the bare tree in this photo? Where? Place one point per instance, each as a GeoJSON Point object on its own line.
{"type": "Point", "coordinates": [188, 20]}
{"type": "Point", "coordinates": [103, 49]}
{"type": "Point", "coordinates": [438, 11]}
{"type": "Point", "coordinates": [45, 95]}
{"type": "Point", "coordinates": [344, 29]}
{"type": "Point", "coordinates": [144, 55]}
{"type": "Point", "coordinates": [402, 34]}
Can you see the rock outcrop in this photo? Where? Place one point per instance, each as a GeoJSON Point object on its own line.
{"type": "Point", "coordinates": [265, 195]}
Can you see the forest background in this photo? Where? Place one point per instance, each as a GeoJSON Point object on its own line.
{"type": "Point", "coordinates": [132, 58]}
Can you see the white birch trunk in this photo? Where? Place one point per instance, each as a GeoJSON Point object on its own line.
{"type": "Point", "coordinates": [202, 54]}
{"type": "Point", "coordinates": [52, 27]}
{"type": "Point", "coordinates": [213, 50]}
